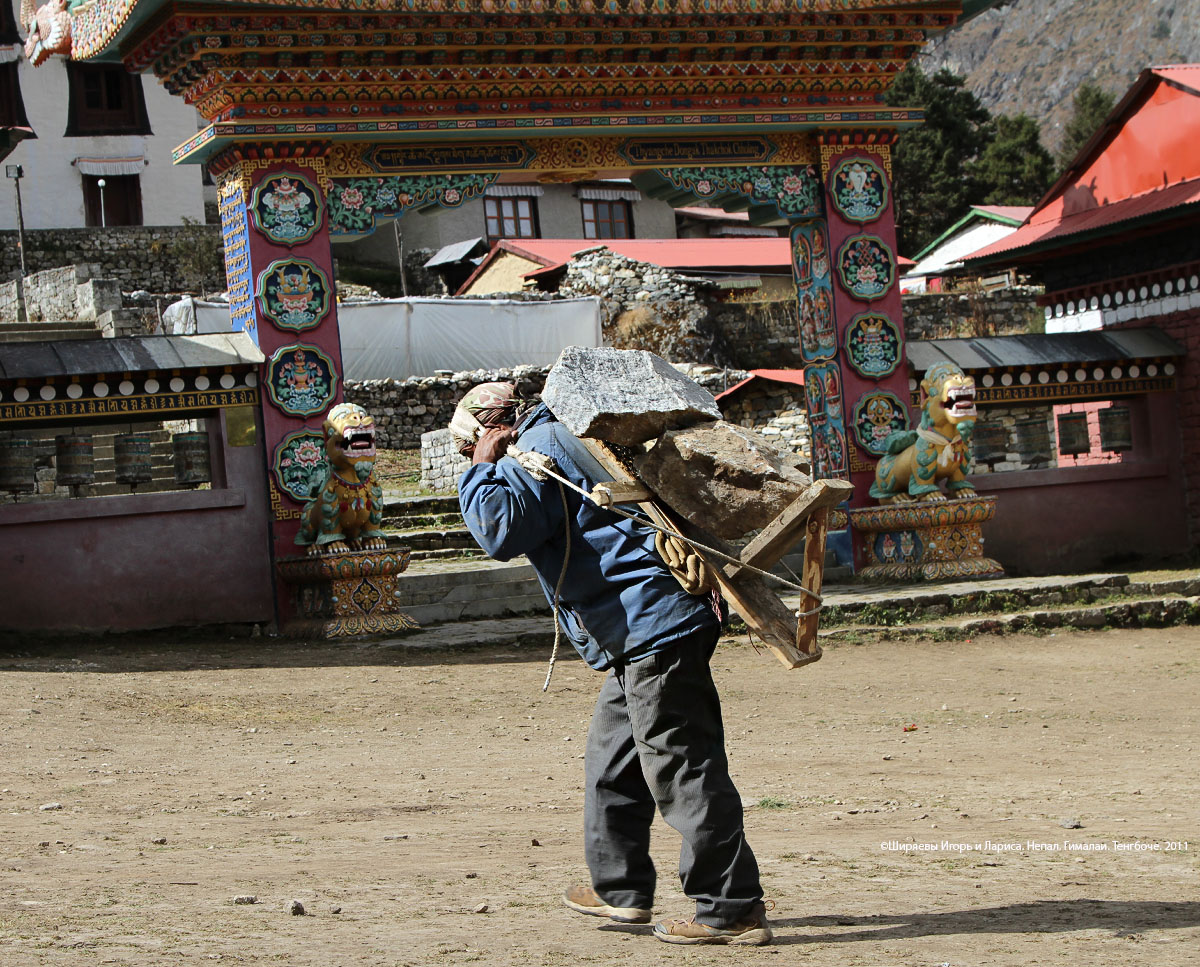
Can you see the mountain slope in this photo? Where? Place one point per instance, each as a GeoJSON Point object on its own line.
{"type": "Point", "coordinates": [1031, 55]}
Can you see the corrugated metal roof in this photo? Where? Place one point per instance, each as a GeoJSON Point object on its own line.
{"type": "Point", "coordinates": [1105, 345]}
{"type": "Point", "coordinates": [1094, 220]}
{"type": "Point", "coordinates": [456, 252]}
{"type": "Point", "coordinates": [131, 354]}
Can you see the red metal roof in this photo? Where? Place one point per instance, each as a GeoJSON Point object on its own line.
{"type": "Point", "coordinates": [1094, 219]}
{"type": "Point", "coordinates": [725, 254]}
{"type": "Point", "coordinates": [1139, 165]}
{"type": "Point", "coordinates": [793, 376]}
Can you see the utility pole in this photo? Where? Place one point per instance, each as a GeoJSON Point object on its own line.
{"type": "Point", "coordinates": [400, 257]}
{"type": "Point", "coordinates": [100, 183]}
{"type": "Point", "coordinates": [16, 172]}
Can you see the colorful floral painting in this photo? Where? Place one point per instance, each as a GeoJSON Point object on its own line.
{"type": "Point", "coordinates": [286, 208]}
{"type": "Point", "coordinates": [299, 464]}
{"type": "Point", "coordinates": [866, 267]}
{"type": "Point", "coordinates": [878, 415]}
{"type": "Point", "coordinates": [858, 189]}
{"type": "Point", "coordinates": [873, 345]}
{"type": "Point", "coordinates": [792, 191]}
{"type": "Point", "coordinates": [294, 294]}
{"type": "Point", "coordinates": [301, 380]}
{"type": "Point", "coordinates": [355, 204]}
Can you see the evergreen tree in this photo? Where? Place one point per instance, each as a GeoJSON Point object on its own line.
{"type": "Point", "coordinates": [1090, 106]}
{"type": "Point", "coordinates": [932, 164]}
{"type": "Point", "coordinates": [1014, 169]}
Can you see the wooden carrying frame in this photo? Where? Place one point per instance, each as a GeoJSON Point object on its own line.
{"type": "Point", "coordinates": [792, 639]}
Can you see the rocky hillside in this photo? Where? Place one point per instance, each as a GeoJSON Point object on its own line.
{"type": "Point", "coordinates": [1031, 55]}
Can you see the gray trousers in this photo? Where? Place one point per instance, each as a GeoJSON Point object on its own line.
{"type": "Point", "coordinates": [656, 739]}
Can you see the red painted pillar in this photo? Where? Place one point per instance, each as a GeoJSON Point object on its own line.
{"type": "Point", "coordinates": [869, 362]}
{"type": "Point", "coordinates": [279, 268]}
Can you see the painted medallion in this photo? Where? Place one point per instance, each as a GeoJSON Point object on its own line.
{"type": "Point", "coordinates": [299, 464]}
{"type": "Point", "coordinates": [858, 189]}
{"type": "Point", "coordinates": [878, 415]}
{"type": "Point", "coordinates": [866, 267]}
{"type": "Point", "coordinates": [286, 208]}
{"type": "Point", "coordinates": [301, 380]}
{"type": "Point", "coordinates": [294, 294]}
{"type": "Point", "coordinates": [873, 345]}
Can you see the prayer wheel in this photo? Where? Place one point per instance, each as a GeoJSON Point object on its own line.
{"type": "Point", "coordinates": [990, 442]}
{"type": "Point", "coordinates": [73, 460]}
{"type": "Point", "coordinates": [1073, 437]}
{"type": "Point", "coordinates": [1116, 429]}
{"type": "Point", "coordinates": [192, 463]}
{"type": "Point", "coordinates": [1034, 442]}
{"type": "Point", "coordinates": [17, 463]}
{"type": "Point", "coordinates": [131, 458]}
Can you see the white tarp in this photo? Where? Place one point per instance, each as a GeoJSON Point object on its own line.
{"type": "Point", "coordinates": [398, 338]}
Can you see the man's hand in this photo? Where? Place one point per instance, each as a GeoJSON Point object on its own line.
{"type": "Point", "coordinates": [493, 444]}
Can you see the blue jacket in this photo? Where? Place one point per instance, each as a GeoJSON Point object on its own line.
{"type": "Point", "coordinates": [619, 601]}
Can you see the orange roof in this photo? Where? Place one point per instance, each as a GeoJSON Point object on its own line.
{"type": "Point", "coordinates": [1140, 165]}
{"type": "Point", "coordinates": [793, 376]}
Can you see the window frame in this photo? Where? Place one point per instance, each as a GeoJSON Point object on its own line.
{"type": "Point", "coordinates": [106, 83]}
{"type": "Point", "coordinates": [591, 226]}
{"type": "Point", "coordinates": [498, 218]}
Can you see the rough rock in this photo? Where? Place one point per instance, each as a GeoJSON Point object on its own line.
{"type": "Point", "coordinates": [726, 478]}
{"type": "Point", "coordinates": [623, 396]}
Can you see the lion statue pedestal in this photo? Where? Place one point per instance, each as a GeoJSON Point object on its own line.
{"type": "Point", "coordinates": [918, 533]}
{"type": "Point", "coordinates": [347, 583]}
{"type": "Point", "coordinates": [347, 594]}
{"type": "Point", "coordinates": [926, 541]}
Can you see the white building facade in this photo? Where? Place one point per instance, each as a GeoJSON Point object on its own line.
{"type": "Point", "coordinates": [95, 123]}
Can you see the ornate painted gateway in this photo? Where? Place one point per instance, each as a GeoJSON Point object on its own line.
{"type": "Point", "coordinates": [330, 118]}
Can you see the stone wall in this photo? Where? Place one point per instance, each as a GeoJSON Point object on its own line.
{"type": "Point", "coordinates": [60, 295]}
{"type": "Point", "coordinates": [441, 463]}
{"type": "Point", "coordinates": [775, 410]}
{"type": "Point", "coordinates": [680, 317]}
{"type": "Point", "coordinates": [158, 258]}
{"type": "Point", "coordinates": [759, 335]}
{"type": "Point", "coordinates": [954, 315]}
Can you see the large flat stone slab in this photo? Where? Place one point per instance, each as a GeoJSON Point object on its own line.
{"type": "Point", "coordinates": [623, 396]}
{"type": "Point", "coordinates": [727, 479]}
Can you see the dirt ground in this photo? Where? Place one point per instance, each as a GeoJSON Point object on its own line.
{"type": "Point", "coordinates": [908, 804]}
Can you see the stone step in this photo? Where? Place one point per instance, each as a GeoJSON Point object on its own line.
{"type": "Point", "coordinates": [538, 631]}
{"type": "Point", "coordinates": [46, 332]}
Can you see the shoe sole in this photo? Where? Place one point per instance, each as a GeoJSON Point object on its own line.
{"type": "Point", "coordinates": [751, 938]}
{"type": "Point", "coordinates": [617, 914]}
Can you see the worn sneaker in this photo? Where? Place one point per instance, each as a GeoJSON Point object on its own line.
{"type": "Point", "coordinates": [583, 899]}
{"type": "Point", "coordinates": [752, 929]}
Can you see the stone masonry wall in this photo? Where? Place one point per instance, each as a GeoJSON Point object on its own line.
{"type": "Point", "coordinates": [137, 256]}
{"type": "Point", "coordinates": [778, 412]}
{"type": "Point", "coordinates": [680, 317]}
{"type": "Point", "coordinates": [952, 315]}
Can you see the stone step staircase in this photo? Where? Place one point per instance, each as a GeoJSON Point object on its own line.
{"type": "Point", "coordinates": [43, 331]}
{"type": "Point", "coordinates": [853, 613]}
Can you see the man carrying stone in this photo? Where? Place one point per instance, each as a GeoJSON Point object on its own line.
{"type": "Point", "coordinates": [656, 737]}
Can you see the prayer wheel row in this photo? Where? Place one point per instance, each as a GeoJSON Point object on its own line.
{"type": "Point", "coordinates": [74, 460]}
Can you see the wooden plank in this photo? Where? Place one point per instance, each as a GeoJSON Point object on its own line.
{"type": "Point", "coordinates": [613, 492]}
{"type": "Point", "coordinates": [778, 537]}
{"type": "Point", "coordinates": [760, 607]}
{"type": "Point", "coordinates": [812, 577]}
